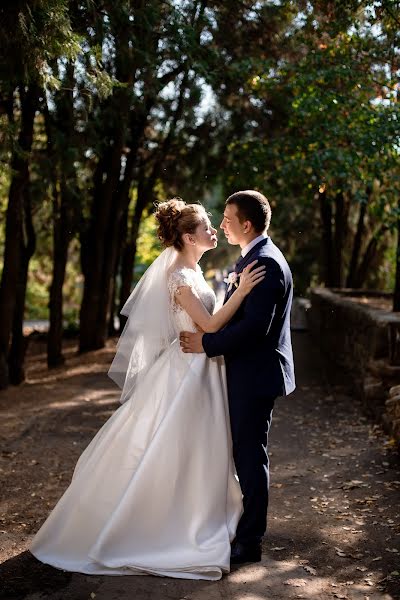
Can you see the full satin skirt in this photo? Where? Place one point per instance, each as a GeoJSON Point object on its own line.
{"type": "Point", "coordinates": [155, 492]}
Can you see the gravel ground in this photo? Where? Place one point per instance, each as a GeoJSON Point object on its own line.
{"type": "Point", "coordinates": [335, 480]}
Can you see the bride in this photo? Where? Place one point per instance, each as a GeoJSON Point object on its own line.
{"type": "Point", "coordinates": [155, 491]}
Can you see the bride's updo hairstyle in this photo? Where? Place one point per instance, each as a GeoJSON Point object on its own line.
{"type": "Point", "coordinates": [175, 218]}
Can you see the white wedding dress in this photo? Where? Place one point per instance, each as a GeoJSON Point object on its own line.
{"type": "Point", "coordinates": [155, 492]}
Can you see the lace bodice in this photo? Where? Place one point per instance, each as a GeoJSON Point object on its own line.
{"type": "Point", "coordinates": [184, 276]}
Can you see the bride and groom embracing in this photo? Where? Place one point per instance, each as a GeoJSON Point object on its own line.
{"type": "Point", "coordinates": [156, 490]}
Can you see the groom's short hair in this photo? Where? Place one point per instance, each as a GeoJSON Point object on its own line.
{"type": "Point", "coordinates": [252, 206]}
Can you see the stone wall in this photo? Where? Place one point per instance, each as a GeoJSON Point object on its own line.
{"type": "Point", "coordinates": [356, 337]}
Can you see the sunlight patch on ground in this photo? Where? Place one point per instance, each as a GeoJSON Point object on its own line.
{"type": "Point", "coordinates": [100, 398]}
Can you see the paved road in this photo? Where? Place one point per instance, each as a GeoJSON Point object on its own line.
{"type": "Point", "coordinates": [332, 522]}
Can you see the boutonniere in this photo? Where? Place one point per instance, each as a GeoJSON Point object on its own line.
{"type": "Point", "coordinates": [232, 280]}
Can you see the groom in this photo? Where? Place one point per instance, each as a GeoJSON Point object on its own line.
{"type": "Point", "coordinates": [257, 348]}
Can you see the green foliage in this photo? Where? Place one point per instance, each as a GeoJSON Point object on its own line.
{"type": "Point", "coordinates": [39, 279]}
{"type": "Point", "coordinates": [32, 36]}
{"type": "Point", "coordinates": [148, 246]}
{"type": "Point", "coordinates": [36, 304]}
{"type": "Point", "coordinates": [339, 123]}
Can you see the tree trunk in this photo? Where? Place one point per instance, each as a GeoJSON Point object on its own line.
{"type": "Point", "coordinates": [99, 265]}
{"type": "Point", "coordinates": [341, 216]}
{"type": "Point", "coordinates": [368, 257]}
{"type": "Point", "coordinates": [100, 272]}
{"type": "Point", "coordinates": [96, 244]}
{"type": "Point", "coordinates": [355, 255]}
{"type": "Point", "coordinates": [61, 240]}
{"type": "Point", "coordinates": [64, 209]}
{"type": "Point", "coordinates": [99, 247]}
{"type": "Point", "coordinates": [14, 230]}
{"type": "Point", "coordinates": [327, 242]}
{"type": "Point", "coordinates": [100, 250]}
{"type": "Point", "coordinates": [396, 291]}
{"type": "Point", "coordinates": [19, 342]}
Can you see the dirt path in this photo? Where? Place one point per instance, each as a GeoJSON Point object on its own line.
{"type": "Point", "coordinates": [334, 513]}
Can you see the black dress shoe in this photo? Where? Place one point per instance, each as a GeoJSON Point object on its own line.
{"type": "Point", "coordinates": [241, 553]}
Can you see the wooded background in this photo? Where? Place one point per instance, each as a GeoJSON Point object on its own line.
{"type": "Point", "coordinates": [108, 107]}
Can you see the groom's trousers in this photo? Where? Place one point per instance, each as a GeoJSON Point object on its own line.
{"type": "Point", "coordinates": [250, 422]}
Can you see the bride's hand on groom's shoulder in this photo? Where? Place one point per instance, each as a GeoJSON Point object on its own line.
{"type": "Point", "coordinates": [250, 277]}
{"type": "Point", "coordinates": [191, 343]}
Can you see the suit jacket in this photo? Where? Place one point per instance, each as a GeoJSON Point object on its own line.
{"type": "Point", "coordinates": [256, 343]}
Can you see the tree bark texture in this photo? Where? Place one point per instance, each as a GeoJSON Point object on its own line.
{"type": "Point", "coordinates": [61, 143]}
{"type": "Point", "coordinates": [14, 225]}
{"type": "Point", "coordinates": [327, 239]}
{"type": "Point", "coordinates": [356, 250]}
{"type": "Point", "coordinates": [19, 343]}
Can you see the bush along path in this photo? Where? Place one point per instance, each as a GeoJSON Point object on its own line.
{"type": "Point", "coordinates": [335, 480]}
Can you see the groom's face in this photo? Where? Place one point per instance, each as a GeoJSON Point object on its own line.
{"type": "Point", "coordinates": [231, 226]}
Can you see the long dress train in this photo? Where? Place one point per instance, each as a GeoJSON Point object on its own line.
{"type": "Point", "coordinates": [155, 491]}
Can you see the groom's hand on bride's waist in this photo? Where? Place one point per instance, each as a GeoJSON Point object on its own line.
{"type": "Point", "coordinates": [191, 342]}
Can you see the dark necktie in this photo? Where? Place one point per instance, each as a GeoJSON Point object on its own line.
{"type": "Point", "coordinates": [239, 263]}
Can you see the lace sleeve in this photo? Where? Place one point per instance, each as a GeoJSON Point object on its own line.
{"type": "Point", "coordinates": [177, 279]}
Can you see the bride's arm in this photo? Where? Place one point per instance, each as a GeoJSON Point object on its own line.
{"type": "Point", "coordinates": [185, 297]}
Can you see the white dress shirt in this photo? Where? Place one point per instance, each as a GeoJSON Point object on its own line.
{"type": "Point", "coordinates": [246, 249]}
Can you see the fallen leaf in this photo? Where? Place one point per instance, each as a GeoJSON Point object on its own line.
{"type": "Point", "coordinates": [354, 483]}
{"type": "Point", "coordinates": [310, 570]}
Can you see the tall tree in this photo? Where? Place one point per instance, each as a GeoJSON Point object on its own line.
{"type": "Point", "coordinates": [140, 120]}
{"type": "Point", "coordinates": [29, 36]}
{"type": "Point", "coordinates": [63, 152]}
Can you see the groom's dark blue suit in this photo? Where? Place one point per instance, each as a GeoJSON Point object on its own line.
{"type": "Point", "coordinates": [256, 344]}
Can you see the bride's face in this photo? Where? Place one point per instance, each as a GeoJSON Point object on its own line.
{"type": "Point", "coordinates": [206, 235]}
